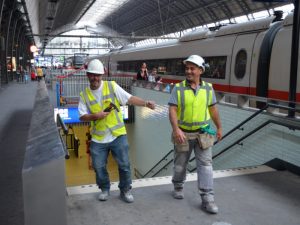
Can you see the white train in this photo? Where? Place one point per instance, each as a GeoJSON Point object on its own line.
{"type": "Point", "coordinates": [251, 58]}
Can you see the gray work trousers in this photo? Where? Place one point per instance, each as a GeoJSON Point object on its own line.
{"type": "Point", "coordinates": [204, 167]}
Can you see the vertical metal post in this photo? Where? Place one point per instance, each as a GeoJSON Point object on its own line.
{"type": "Point", "coordinates": [80, 50]}
{"type": "Point", "coordinates": [1, 10]}
{"type": "Point", "coordinates": [294, 59]}
{"type": "Point", "coordinates": [57, 94]}
{"type": "Point", "coordinates": [2, 59]}
{"type": "Point", "coordinates": [9, 38]}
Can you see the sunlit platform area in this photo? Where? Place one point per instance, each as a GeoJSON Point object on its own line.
{"type": "Point", "coordinates": [255, 195]}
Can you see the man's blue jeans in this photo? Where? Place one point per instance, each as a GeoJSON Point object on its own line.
{"type": "Point", "coordinates": [119, 148]}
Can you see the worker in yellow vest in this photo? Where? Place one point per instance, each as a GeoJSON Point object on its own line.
{"type": "Point", "coordinates": [100, 104]}
{"type": "Point", "coordinates": [192, 103]}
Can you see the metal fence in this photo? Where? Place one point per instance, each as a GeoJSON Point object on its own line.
{"type": "Point", "coordinates": [69, 85]}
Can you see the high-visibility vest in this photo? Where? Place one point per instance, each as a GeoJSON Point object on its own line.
{"type": "Point", "coordinates": [192, 111]}
{"type": "Point", "coordinates": [114, 121]}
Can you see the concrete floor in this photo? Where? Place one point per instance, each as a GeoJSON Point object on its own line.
{"type": "Point", "coordinates": [261, 199]}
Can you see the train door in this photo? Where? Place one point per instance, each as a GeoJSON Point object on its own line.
{"type": "Point", "coordinates": [240, 64]}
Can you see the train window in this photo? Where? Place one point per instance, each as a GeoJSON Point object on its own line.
{"type": "Point", "coordinates": [120, 66]}
{"type": "Point", "coordinates": [165, 66]}
{"type": "Point", "coordinates": [216, 68]}
{"type": "Point", "coordinates": [240, 64]}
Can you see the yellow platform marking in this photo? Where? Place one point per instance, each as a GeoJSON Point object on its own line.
{"type": "Point", "coordinates": [147, 182]}
{"type": "Point", "coordinates": [78, 171]}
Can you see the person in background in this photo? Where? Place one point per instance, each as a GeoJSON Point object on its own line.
{"type": "Point", "coordinates": [192, 103]}
{"type": "Point", "coordinates": [152, 75]}
{"type": "Point", "coordinates": [33, 73]}
{"type": "Point", "coordinates": [44, 72]}
{"type": "Point", "coordinates": [22, 74]}
{"type": "Point", "coordinates": [99, 104]}
{"type": "Point", "coordinates": [143, 72]}
{"type": "Point", "coordinates": [26, 76]}
{"type": "Point", "coordinates": [40, 74]}
{"type": "Point", "coordinates": [18, 74]}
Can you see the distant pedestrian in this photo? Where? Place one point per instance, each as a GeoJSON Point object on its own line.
{"type": "Point", "coordinates": [26, 76]}
{"type": "Point", "coordinates": [152, 76]}
{"type": "Point", "coordinates": [40, 74]}
{"type": "Point", "coordinates": [143, 72]}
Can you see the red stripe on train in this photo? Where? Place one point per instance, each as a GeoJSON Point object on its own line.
{"type": "Point", "coordinates": [280, 95]}
{"type": "Point", "coordinates": [283, 95]}
{"type": "Point", "coordinates": [234, 89]}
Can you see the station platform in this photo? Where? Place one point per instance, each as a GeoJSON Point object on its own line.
{"type": "Point", "coordinates": [258, 196]}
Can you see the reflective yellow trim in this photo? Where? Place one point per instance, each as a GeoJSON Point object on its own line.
{"type": "Point", "coordinates": [114, 120]}
{"type": "Point", "coordinates": [192, 110]}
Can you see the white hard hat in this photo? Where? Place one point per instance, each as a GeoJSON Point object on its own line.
{"type": "Point", "coordinates": [95, 66]}
{"type": "Point", "coordinates": [197, 60]}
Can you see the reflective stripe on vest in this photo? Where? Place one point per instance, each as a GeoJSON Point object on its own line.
{"type": "Point", "coordinates": [192, 111]}
{"type": "Point", "coordinates": [114, 120]}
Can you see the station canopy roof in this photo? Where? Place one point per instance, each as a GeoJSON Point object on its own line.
{"type": "Point", "coordinates": [126, 21]}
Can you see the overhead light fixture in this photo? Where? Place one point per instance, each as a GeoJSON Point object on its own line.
{"type": "Point", "coordinates": [33, 48]}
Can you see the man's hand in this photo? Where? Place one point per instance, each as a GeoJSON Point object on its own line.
{"type": "Point", "coordinates": [150, 104]}
{"type": "Point", "coordinates": [219, 134]}
{"type": "Point", "coordinates": [101, 115]}
{"type": "Point", "coordinates": [179, 136]}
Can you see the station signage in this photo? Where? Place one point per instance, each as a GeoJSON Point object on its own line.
{"type": "Point", "coordinates": [71, 115]}
{"type": "Point", "coordinates": [68, 115]}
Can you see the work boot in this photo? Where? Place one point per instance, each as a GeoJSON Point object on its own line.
{"type": "Point", "coordinates": [210, 207]}
{"type": "Point", "coordinates": [126, 196]}
{"type": "Point", "coordinates": [208, 203]}
{"type": "Point", "coordinates": [178, 193]}
{"type": "Point", "coordinates": [103, 196]}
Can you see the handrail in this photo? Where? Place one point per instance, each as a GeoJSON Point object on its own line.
{"type": "Point", "coordinates": [295, 127]}
{"type": "Point", "coordinates": [245, 121]}
{"type": "Point", "coordinates": [255, 130]}
{"type": "Point", "coordinates": [168, 163]}
{"type": "Point", "coordinates": [163, 158]}
{"type": "Point", "coordinates": [67, 155]}
{"type": "Point", "coordinates": [61, 123]}
{"type": "Point", "coordinates": [250, 118]}
{"type": "Point", "coordinates": [227, 134]}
